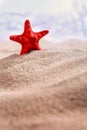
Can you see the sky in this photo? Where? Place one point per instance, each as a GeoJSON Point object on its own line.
{"type": "Point", "coordinates": [64, 19]}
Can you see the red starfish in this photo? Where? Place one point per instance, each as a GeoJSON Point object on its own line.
{"type": "Point", "coordinates": [29, 39]}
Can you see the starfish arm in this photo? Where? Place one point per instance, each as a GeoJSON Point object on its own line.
{"type": "Point", "coordinates": [42, 33]}
{"type": "Point", "coordinates": [15, 38]}
{"type": "Point", "coordinates": [27, 26]}
{"type": "Point", "coordinates": [26, 49]}
{"type": "Point", "coordinates": [36, 46]}
{"type": "Point", "coordinates": [23, 51]}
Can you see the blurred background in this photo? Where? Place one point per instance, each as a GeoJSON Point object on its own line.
{"type": "Point", "coordinates": [65, 19]}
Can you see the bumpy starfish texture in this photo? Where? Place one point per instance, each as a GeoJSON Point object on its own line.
{"type": "Point", "coordinates": [29, 39]}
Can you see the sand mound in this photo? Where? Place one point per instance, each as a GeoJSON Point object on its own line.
{"type": "Point", "coordinates": [44, 90]}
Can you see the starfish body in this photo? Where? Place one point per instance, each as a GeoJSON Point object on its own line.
{"type": "Point", "coordinates": [28, 39]}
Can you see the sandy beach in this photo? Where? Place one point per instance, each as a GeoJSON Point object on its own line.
{"type": "Point", "coordinates": [44, 90]}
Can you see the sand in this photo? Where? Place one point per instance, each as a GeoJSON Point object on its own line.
{"type": "Point", "coordinates": [44, 90]}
